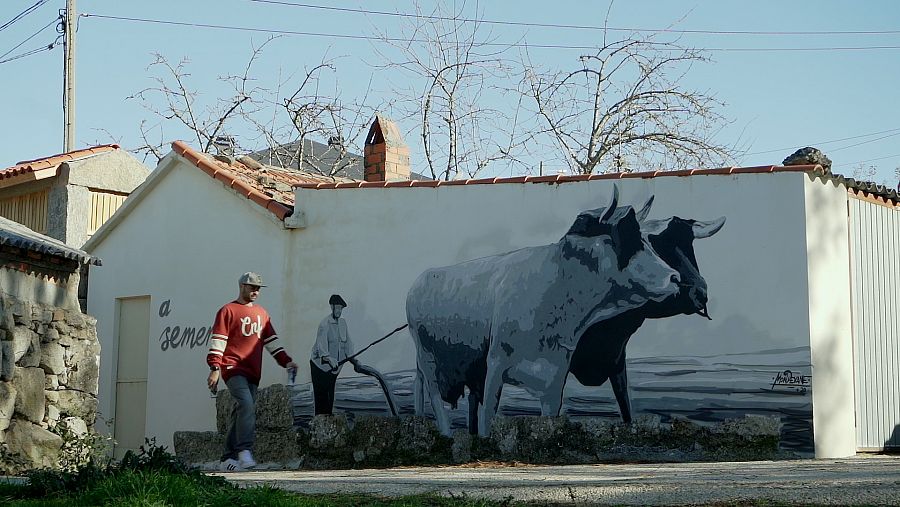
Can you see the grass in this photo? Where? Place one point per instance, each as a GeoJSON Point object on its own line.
{"type": "Point", "coordinates": [146, 488]}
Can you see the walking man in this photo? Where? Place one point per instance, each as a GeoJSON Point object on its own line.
{"type": "Point", "coordinates": [332, 349]}
{"type": "Point", "coordinates": [241, 330]}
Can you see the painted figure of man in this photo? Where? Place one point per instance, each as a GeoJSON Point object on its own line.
{"type": "Point", "coordinates": [332, 349]}
{"type": "Point", "coordinates": [241, 329]}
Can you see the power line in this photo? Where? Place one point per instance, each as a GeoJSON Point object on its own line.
{"type": "Point", "coordinates": [865, 142]}
{"type": "Point", "coordinates": [827, 142]}
{"type": "Point", "coordinates": [22, 14]}
{"type": "Point", "coordinates": [873, 159]}
{"type": "Point", "coordinates": [576, 27]}
{"type": "Point", "coordinates": [497, 44]}
{"type": "Point", "coordinates": [31, 52]}
{"type": "Point", "coordinates": [35, 34]}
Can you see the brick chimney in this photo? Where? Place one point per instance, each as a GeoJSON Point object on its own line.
{"type": "Point", "coordinates": [386, 156]}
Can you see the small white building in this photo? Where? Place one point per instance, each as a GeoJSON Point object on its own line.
{"type": "Point", "coordinates": [800, 278]}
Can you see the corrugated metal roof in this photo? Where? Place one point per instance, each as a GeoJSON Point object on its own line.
{"type": "Point", "coordinates": [869, 188]}
{"type": "Point", "coordinates": [17, 235]}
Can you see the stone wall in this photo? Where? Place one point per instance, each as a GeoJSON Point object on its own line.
{"type": "Point", "coordinates": [49, 369]}
{"type": "Point", "coordinates": [342, 441]}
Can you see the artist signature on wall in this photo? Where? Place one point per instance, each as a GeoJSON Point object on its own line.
{"type": "Point", "coordinates": [177, 336]}
{"type": "Point", "coordinates": [791, 381]}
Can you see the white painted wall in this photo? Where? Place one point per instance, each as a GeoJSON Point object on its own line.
{"type": "Point", "coordinates": [187, 241]}
{"type": "Point", "coordinates": [370, 244]}
{"type": "Point", "coordinates": [831, 335]}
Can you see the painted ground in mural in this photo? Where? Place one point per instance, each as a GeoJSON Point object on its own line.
{"type": "Point", "coordinates": [702, 389]}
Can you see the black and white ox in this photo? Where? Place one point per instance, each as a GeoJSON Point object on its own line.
{"type": "Point", "coordinates": [600, 353]}
{"type": "Point", "coordinates": [515, 318]}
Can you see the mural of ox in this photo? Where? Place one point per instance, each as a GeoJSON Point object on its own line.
{"type": "Point", "coordinates": [517, 318]}
{"type": "Point", "coordinates": [600, 353]}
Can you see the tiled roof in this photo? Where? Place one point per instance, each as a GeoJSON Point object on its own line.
{"type": "Point", "coordinates": [52, 162]}
{"type": "Point", "coordinates": [871, 190]}
{"type": "Point", "coordinates": [319, 160]}
{"type": "Point", "coordinates": [17, 235]}
{"type": "Point", "coordinates": [270, 187]}
{"type": "Point", "coordinates": [567, 178]}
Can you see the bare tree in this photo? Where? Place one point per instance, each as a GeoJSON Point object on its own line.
{"type": "Point", "coordinates": [179, 103]}
{"type": "Point", "coordinates": [308, 129]}
{"type": "Point", "coordinates": [622, 108]}
{"type": "Point", "coordinates": [312, 113]}
{"type": "Point", "coordinates": [453, 66]}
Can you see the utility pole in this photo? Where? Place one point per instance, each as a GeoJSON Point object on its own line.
{"type": "Point", "coordinates": [69, 23]}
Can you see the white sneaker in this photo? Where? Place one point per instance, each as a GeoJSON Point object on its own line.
{"type": "Point", "coordinates": [246, 459]}
{"type": "Point", "coordinates": [230, 465]}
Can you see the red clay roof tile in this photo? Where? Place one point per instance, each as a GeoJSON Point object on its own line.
{"type": "Point", "coordinates": [267, 186]}
{"type": "Point", "coordinates": [53, 161]}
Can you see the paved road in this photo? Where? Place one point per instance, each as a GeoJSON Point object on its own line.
{"type": "Point", "coordinates": [853, 481]}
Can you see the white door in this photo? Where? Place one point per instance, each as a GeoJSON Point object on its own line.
{"type": "Point", "coordinates": [131, 374]}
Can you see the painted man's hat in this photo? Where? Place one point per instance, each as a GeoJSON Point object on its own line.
{"type": "Point", "coordinates": [251, 278]}
{"type": "Point", "coordinates": [336, 299]}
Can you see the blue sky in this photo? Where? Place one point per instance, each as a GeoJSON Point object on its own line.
{"type": "Point", "coordinates": [775, 100]}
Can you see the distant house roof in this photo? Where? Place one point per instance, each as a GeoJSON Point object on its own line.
{"type": "Point", "coordinates": [16, 235]}
{"type": "Point", "coordinates": [270, 187]}
{"type": "Point", "coordinates": [318, 159]}
{"type": "Point", "coordinates": [46, 167]}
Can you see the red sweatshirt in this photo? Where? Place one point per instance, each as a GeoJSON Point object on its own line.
{"type": "Point", "coordinates": [238, 336]}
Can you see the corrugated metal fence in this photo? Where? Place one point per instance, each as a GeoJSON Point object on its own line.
{"type": "Point", "coordinates": [875, 274]}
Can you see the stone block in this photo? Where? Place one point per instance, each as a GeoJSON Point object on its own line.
{"type": "Point", "coordinates": [52, 415]}
{"type": "Point", "coordinates": [373, 435]}
{"type": "Point", "coordinates": [417, 437]}
{"type": "Point", "coordinates": [52, 361]}
{"type": "Point", "coordinates": [66, 339]}
{"type": "Point", "coordinates": [51, 335]}
{"type": "Point", "coordinates": [21, 311]}
{"type": "Point", "coordinates": [32, 357]}
{"type": "Point", "coordinates": [601, 431]}
{"type": "Point", "coordinates": [276, 446]}
{"type": "Point", "coordinates": [34, 443]}
{"type": "Point", "coordinates": [75, 425]}
{"type": "Point", "coordinates": [328, 432]}
{"type": "Point", "coordinates": [7, 404]}
{"type": "Point", "coordinates": [224, 406]}
{"type": "Point", "coordinates": [540, 439]}
{"type": "Point", "coordinates": [84, 372]}
{"type": "Point", "coordinates": [751, 426]}
{"type": "Point", "coordinates": [461, 449]}
{"type": "Point", "coordinates": [7, 360]}
{"type": "Point", "coordinates": [77, 404]}
{"type": "Point", "coordinates": [193, 447]}
{"type": "Point", "coordinates": [22, 341]}
{"type": "Point", "coordinates": [30, 401]}
{"type": "Point", "coordinates": [76, 320]}
{"type": "Point", "coordinates": [7, 321]}
{"type": "Point", "coordinates": [273, 409]}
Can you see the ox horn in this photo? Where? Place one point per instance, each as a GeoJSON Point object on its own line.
{"type": "Point", "coordinates": [642, 214]}
{"type": "Point", "coordinates": [707, 229]}
{"type": "Point", "coordinates": [612, 205]}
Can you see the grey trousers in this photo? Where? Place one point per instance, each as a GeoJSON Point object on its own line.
{"type": "Point", "coordinates": [242, 428]}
